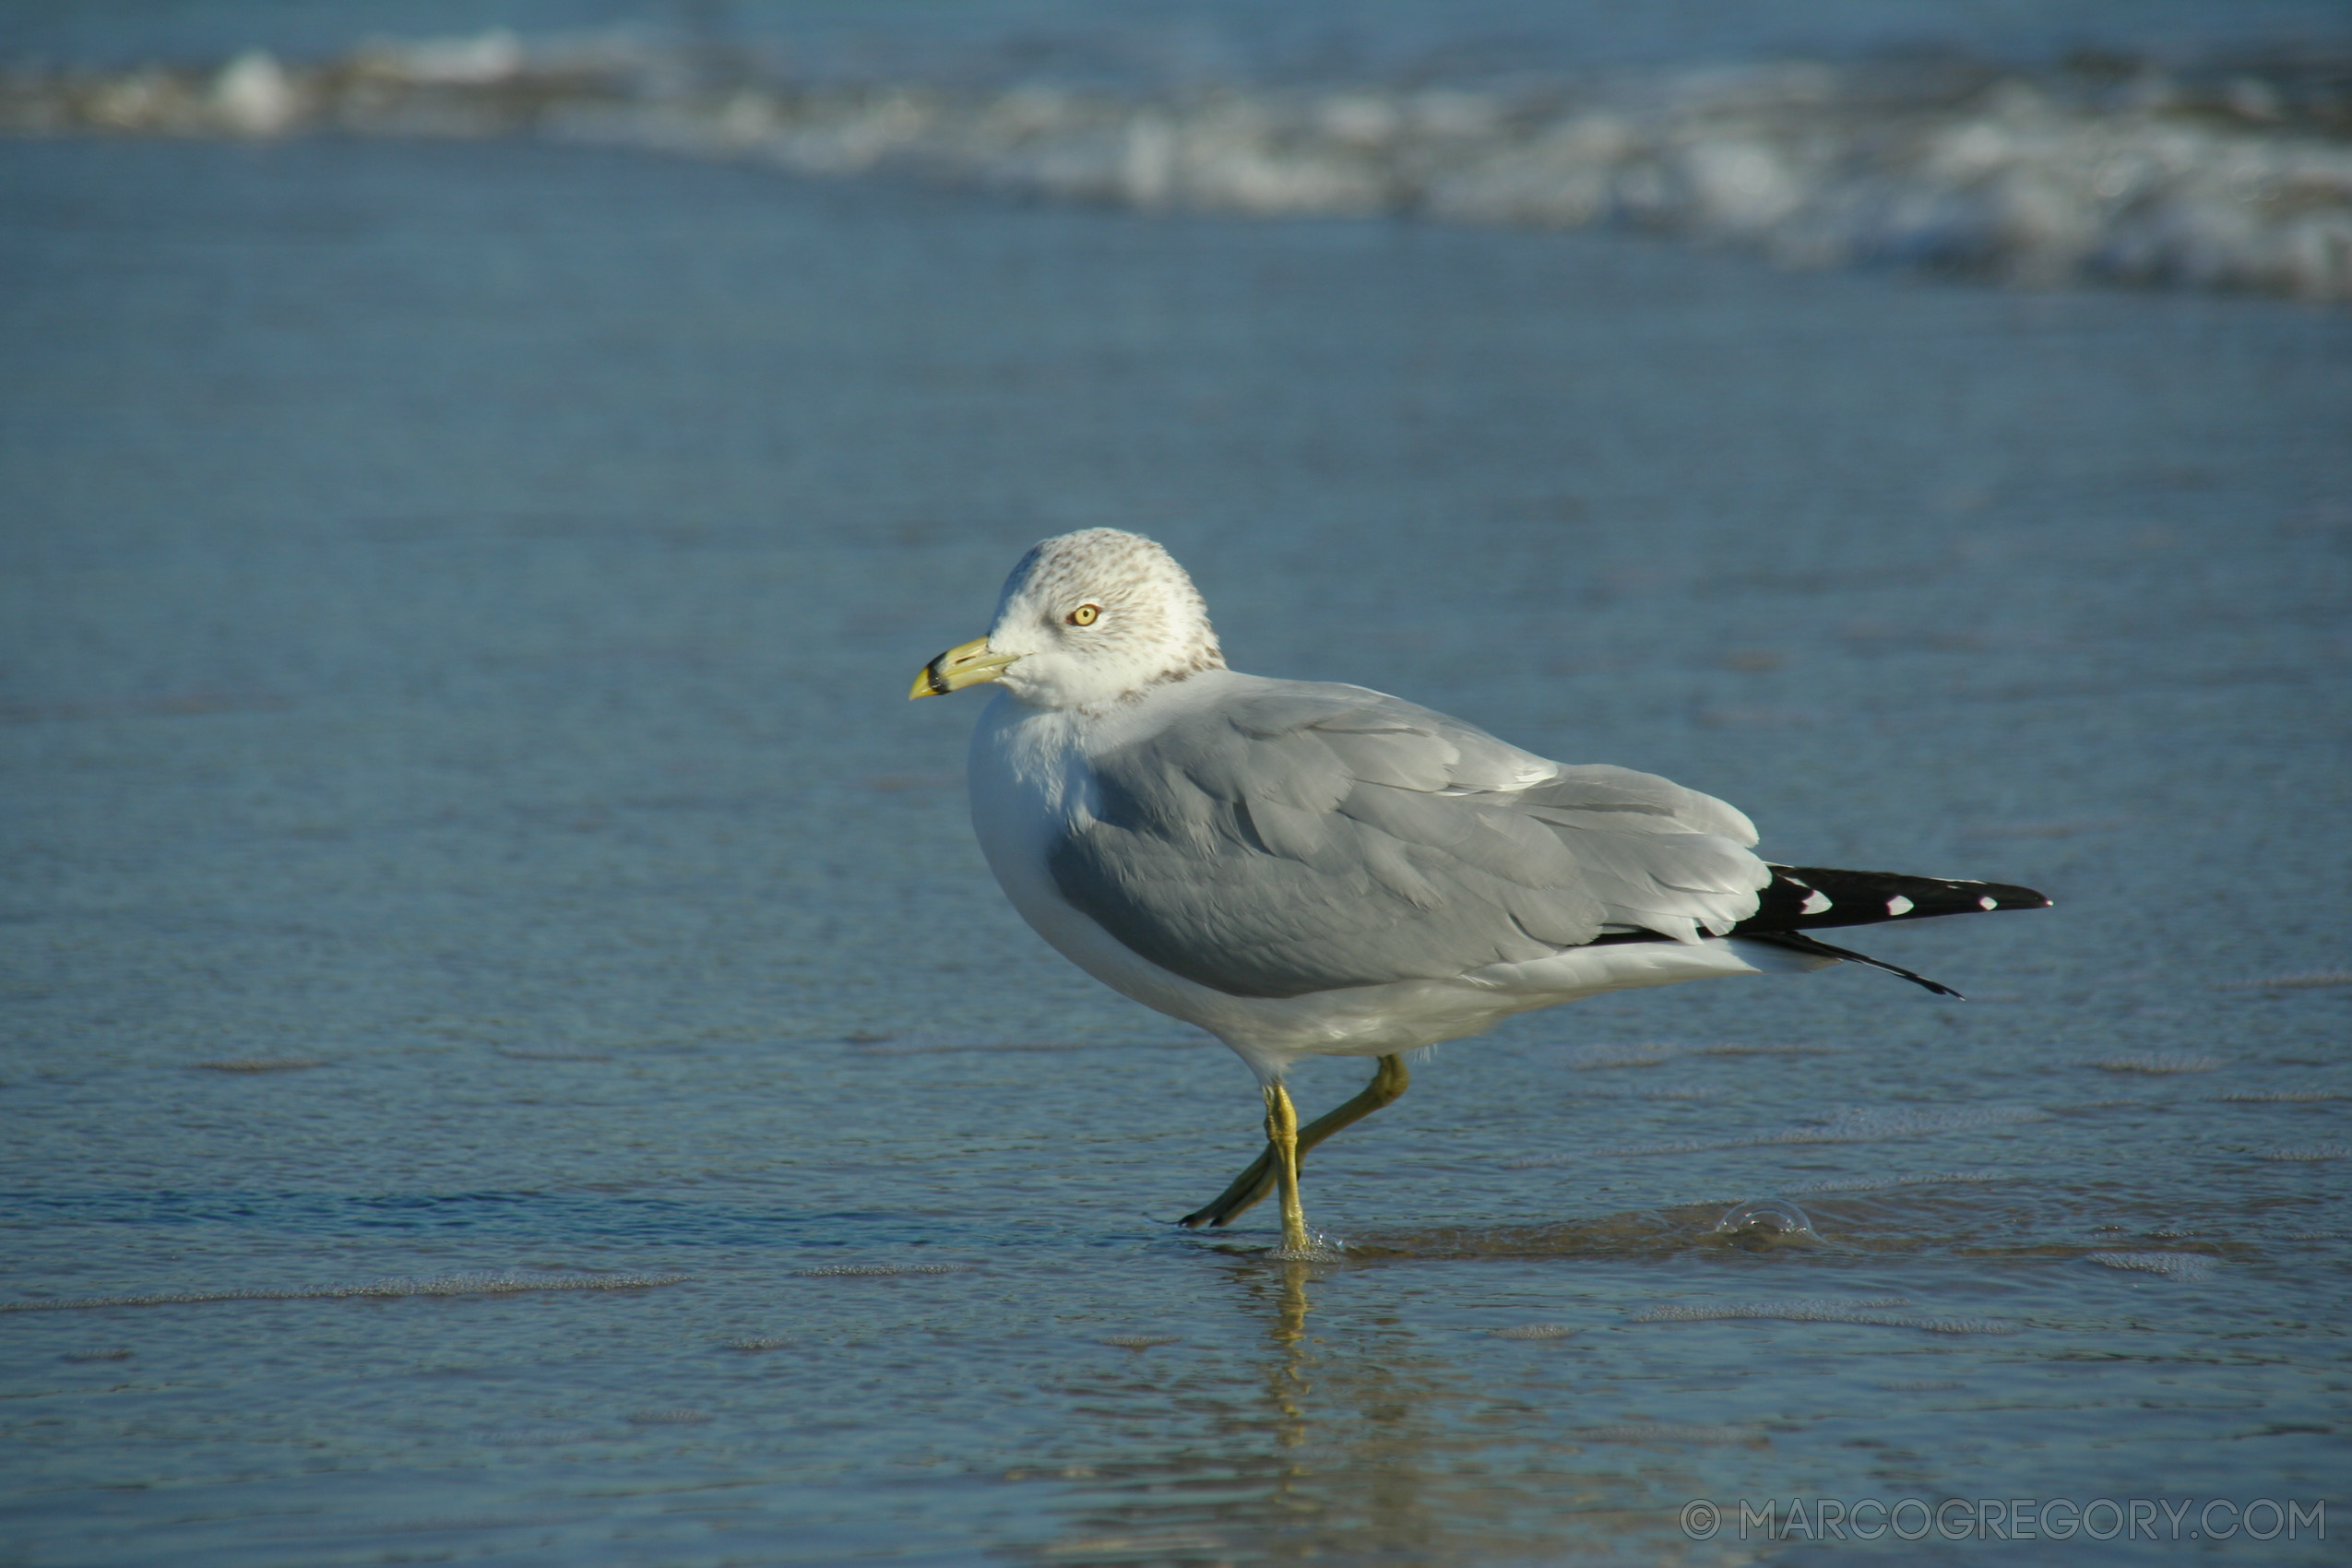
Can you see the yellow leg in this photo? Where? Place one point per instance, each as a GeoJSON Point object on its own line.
{"type": "Point", "coordinates": [1282, 1141]}
{"type": "Point", "coordinates": [1253, 1185]}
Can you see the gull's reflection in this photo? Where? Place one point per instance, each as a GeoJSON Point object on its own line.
{"type": "Point", "coordinates": [1356, 1435]}
{"type": "Point", "coordinates": [1287, 1378]}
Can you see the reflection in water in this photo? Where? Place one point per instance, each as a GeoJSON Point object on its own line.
{"type": "Point", "coordinates": [1351, 1426]}
{"type": "Point", "coordinates": [1366, 1442]}
{"type": "Point", "coordinates": [1287, 1378]}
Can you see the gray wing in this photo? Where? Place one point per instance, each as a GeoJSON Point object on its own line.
{"type": "Point", "coordinates": [1300, 838]}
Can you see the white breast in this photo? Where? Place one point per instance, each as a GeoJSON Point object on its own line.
{"type": "Point", "coordinates": [1029, 783]}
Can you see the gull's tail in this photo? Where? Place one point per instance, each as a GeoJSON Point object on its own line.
{"type": "Point", "coordinates": [1803, 899]}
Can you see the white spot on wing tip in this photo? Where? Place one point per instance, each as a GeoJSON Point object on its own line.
{"type": "Point", "coordinates": [1898, 905]}
{"type": "Point", "coordinates": [1815, 902]}
{"type": "Point", "coordinates": [1988, 902]}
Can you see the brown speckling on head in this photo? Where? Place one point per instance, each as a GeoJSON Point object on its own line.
{"type": "Point", "coordinates": [1153, 627]}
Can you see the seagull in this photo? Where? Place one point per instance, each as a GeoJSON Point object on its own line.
{"type": "Point", "coordinates": [1303, 868]}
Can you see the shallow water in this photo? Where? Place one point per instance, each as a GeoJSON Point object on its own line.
{"type": "Point", "coordinates": [465, 820]}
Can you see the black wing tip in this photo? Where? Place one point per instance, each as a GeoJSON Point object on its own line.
{"type": "Point", "coordinates": [2006, 896]}
{"type": "Point", "coordinates": [1810, 897]}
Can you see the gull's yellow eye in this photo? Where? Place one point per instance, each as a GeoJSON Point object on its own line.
{"type": "Point", "coordinates": [1083, 615]}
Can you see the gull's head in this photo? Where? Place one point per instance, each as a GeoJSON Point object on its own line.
{"type": "Point", "coordinates": [1085, 619]}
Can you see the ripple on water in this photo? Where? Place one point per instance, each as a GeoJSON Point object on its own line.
{"type": "Point", "coordinates": [439, 1285]}
{"type": "Point", "coordinates": [1680, 1092]}
{"type": "Point", "coordinates": [1594, 1058]}
{"type": "Point", "coordinates": [540, 1437]}
{"type": "Point", "coordinates": [2312, 979]}
{"type": "Point", "coordinates": [875, 1270]}
{"type": "Point", "coordinates": [2182, 1267]}
{"type": "Point", "coordinates": [1804, 1310]}
{"type": "Point", "coordinates": [2310, 1153]}
{"type": "Point", "coordinates": [1597, 1058]}
{"type": "Point", "coordinates": [1885, 1183]}
{"type": "Point", "coordinates": [1148, 1547]}
{"type": "Point", "coordinates": [2157, 1063]}
{"type": "Point", "coordinates": [897, 1047]}
{"type": "Point", "coordinates": [2279, 1097]}
{"type": "Point", "coordinates": [1667, 1434]}
{"type": "Point", "coordinates": [1868, 1310]}
{"type": "Point", "coordinates": [1868, 1124]}
{"type": "Point", "coordinates": [1532, 1331]}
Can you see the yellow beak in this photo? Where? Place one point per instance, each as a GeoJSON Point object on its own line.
{"type": "Point", "coordinates": [968, 664]}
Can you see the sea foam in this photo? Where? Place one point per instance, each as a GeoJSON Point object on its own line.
{"type": "Point", "coordinates": [2036, 178]}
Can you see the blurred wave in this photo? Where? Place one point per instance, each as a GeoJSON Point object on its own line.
{"type": "Point", "coordinates": [2103, 170]}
